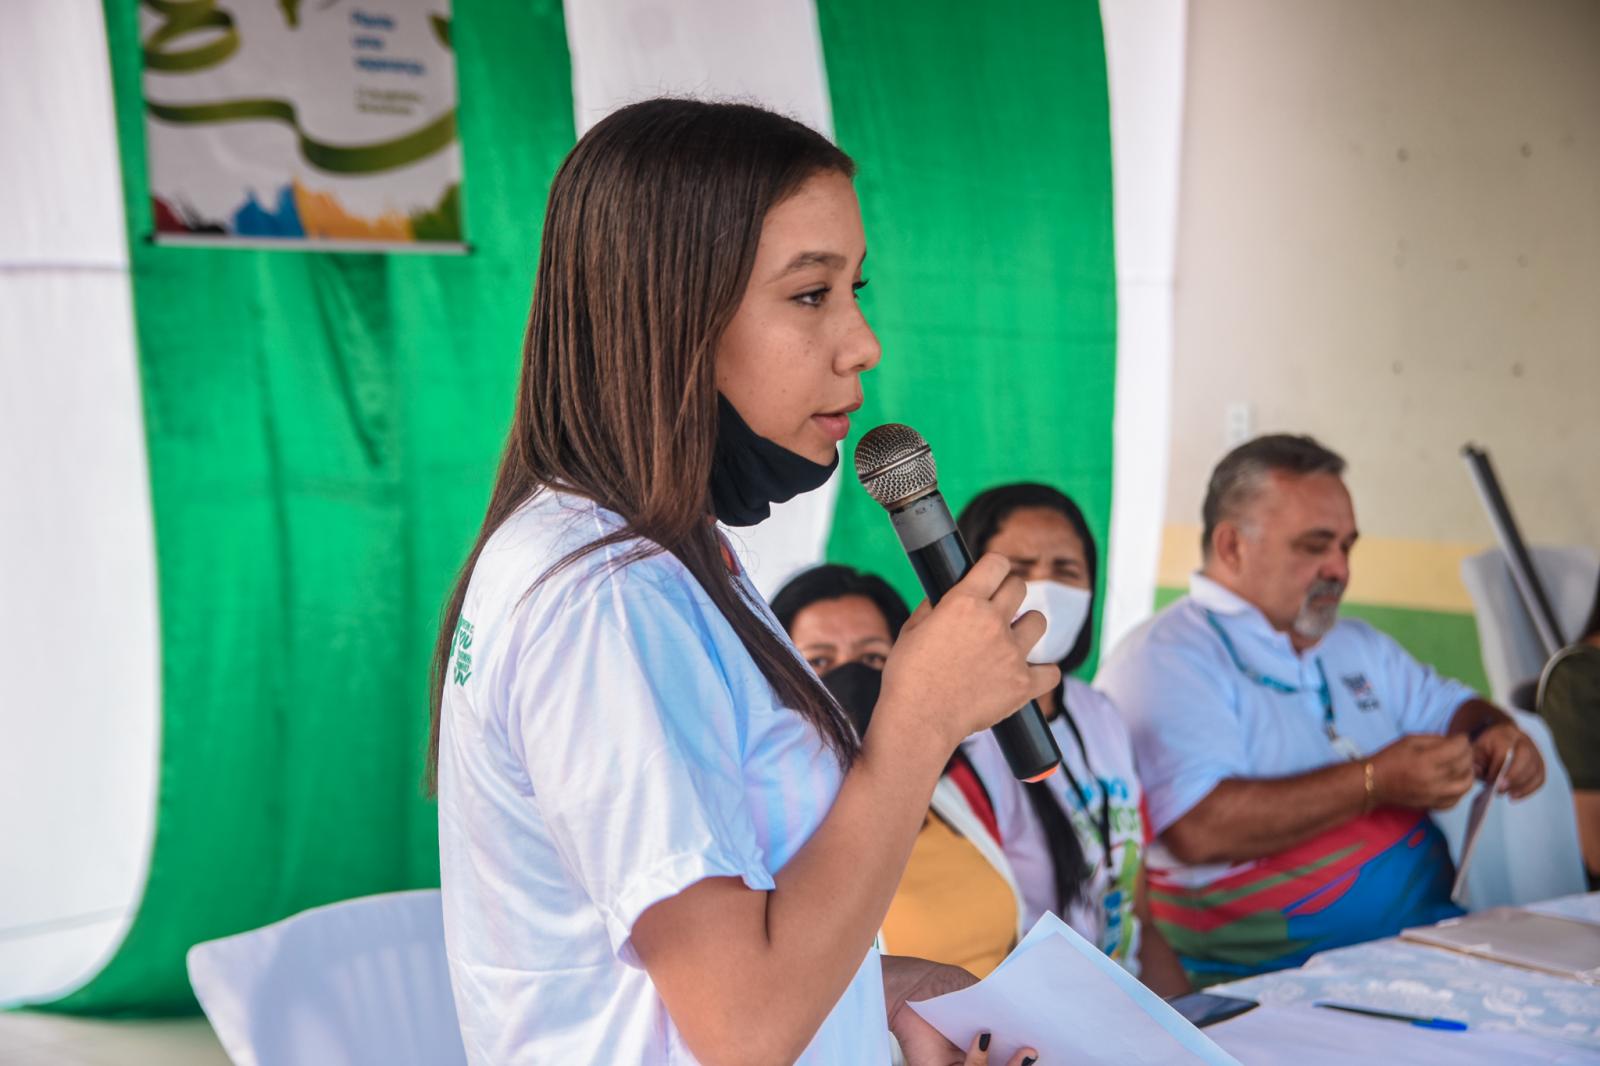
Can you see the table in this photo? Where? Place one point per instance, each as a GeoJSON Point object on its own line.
{"type": "Point", "coordinates": [1557, 1020]}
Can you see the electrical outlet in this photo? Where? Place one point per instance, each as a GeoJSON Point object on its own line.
{"type": "Point", "coordinates": [1238, 424]}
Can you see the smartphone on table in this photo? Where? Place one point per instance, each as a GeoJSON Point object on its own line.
{"type": "Point", "coordinates": [1207, 1008]}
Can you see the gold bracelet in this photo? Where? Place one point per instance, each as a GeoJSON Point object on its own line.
{"type": "Point", "coordinates": [1372, 786]}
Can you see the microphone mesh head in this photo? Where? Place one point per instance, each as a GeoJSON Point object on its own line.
{"type": "Point", "coordinates": [895, 465]}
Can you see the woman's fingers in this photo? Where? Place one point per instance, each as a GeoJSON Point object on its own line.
{"type": "Point", "coordinates": [986, 577]}
{"type": "Point", "coordinates": [961, 667]}
{"type": "Point", "coordinates": [1042, 679]}
{"type": "Point", "coordinates": [1009, 596]}
{"type": "Point", "coordinates": [1028, 629]}
{"type": "Point", "coordinates": [978, 1054]}
{"type": "Point", "coordinates": [919, 616]}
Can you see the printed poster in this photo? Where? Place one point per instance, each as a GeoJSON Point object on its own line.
{"type": "Point", "coordinates": [309, 124]}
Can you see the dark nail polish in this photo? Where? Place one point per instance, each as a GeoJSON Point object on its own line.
{"type": "Point", "coordinates": [983, 1042]}
{"type": "Point", "coordinates": [1030, 1060]}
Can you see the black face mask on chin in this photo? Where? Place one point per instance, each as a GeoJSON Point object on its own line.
{"type": "Point", "coordinates": [749, 473]}
{"type": "Point", "coordinates": [856, 687]}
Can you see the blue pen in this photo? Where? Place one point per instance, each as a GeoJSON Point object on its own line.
{"type": "Point", "coordinates": [1448, 1024]}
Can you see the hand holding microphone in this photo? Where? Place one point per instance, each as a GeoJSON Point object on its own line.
{"type": "Point", "coordinates": [975, 670]}
{"type": "Point", "coordinates": [962, 666]}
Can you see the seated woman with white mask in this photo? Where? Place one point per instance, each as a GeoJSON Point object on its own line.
{"type": "Point", "coordinates": [957, 902]}
{"type": "Point", "coordinates": [1092, 874]}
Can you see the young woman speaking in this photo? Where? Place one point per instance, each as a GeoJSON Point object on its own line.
{"type": "Point", "coordinates": [661, 840]}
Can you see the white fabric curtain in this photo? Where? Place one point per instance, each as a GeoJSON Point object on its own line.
{"type": "Point", "coordinates": [78, 636]}
{"type": "Point", "coordinates": [1145, 48]}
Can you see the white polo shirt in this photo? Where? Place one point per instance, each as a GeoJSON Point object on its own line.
{"type": "Point", "coordinates": [1197, 718]}
{"type": "Point", "coordinates": [606, 742]}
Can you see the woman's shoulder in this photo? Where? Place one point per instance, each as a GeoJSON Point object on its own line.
{"type": "Point", "coordinates": [550, 521]}
{"type": "Point", "coordinates": [538, 556]}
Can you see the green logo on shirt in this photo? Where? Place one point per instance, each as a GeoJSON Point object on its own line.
{"type": "Point", "coordinates": [461, 650]}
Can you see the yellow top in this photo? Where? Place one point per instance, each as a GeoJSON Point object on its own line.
{"type": "Point", "coordinates": [951, 906]}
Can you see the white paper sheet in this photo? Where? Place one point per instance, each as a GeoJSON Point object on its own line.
{"type": "Point", "coordinates": [1060, 995]}
{"type": "Point", "coordinates": [1305, 1036]}
{"type": "Point", "coordinates": [1475, 820]}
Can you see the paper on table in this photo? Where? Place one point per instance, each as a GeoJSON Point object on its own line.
{"type": "Point", "coordinates": [1268, 1036]}
{"type": "Point", "coordinates": [1059, 994]}
{"type": "Point", "coordinates": [1560, 946]}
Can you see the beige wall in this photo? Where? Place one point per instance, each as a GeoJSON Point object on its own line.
{"type": "Point", "coordinates": [1389, 236]}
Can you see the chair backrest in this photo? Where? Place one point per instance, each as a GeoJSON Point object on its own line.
{"type": "Point", "coordinates": [358, 983]}
{"type": "Point", "coordinates": [1507, 639]}
{"type": "Point", "coordinates": [1528, 850]}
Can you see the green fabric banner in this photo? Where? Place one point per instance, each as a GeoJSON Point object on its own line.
{"type": "Point", "coordinates": [984, 141]}
{"type": "Point", "coordinates": [323, 430]}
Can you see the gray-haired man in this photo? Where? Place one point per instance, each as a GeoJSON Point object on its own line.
{"type": "Point", "coordinates": [1289, 757]}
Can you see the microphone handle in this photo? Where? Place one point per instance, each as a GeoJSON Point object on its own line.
{"type": "Point", "coordinates": [940, 558]}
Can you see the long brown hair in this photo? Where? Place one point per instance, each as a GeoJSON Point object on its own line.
{"type": "Point", "coordinates": [649, 238]}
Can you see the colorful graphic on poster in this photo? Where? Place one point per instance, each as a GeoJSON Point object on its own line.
{"type": "Point", "coordinates": [302, 123]}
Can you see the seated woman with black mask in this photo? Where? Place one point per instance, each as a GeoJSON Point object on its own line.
{"type": "Point", "coordinates": [957, 902]}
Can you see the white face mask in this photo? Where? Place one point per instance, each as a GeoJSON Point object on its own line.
{"type": "Point", "coordinates": [1065, 610]}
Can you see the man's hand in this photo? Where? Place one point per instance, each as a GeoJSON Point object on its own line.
{"type": "Point", "coordinates": [1527, 765]}
{"type": "Point", "coordinates": [906, 979]}
{"type": "Point", "coordinates": [1424, 771]}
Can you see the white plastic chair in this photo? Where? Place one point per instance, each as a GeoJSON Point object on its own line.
{"type": "Point", "coordinates": [1529, 850]}
{"type": "Point", "coordinates": [1507, 639]}
{"type": "Point", "coordinates": [358, 983]}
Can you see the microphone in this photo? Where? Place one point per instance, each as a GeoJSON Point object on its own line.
{"type": "Point", "coordinates": [895, 466]}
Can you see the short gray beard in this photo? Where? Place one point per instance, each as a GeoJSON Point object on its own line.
{"type": "Point", "coordinates": [1313, 623]}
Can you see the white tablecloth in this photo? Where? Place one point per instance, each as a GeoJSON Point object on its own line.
{"type": "Point", "coordinates": [1430, 982]}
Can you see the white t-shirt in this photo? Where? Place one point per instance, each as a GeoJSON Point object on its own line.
{"type": "Point", "coordinates": [1104, 915]}
{"type": "Point", "coordinates": [1198, 719]}
{"type": "Point", "coordinates": [606, 742]}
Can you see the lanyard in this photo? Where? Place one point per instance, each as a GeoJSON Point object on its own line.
{"type": "Point", "coordinates": [1341, 744]}
{"type": "Point", "coordinates": [1103, 822]}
